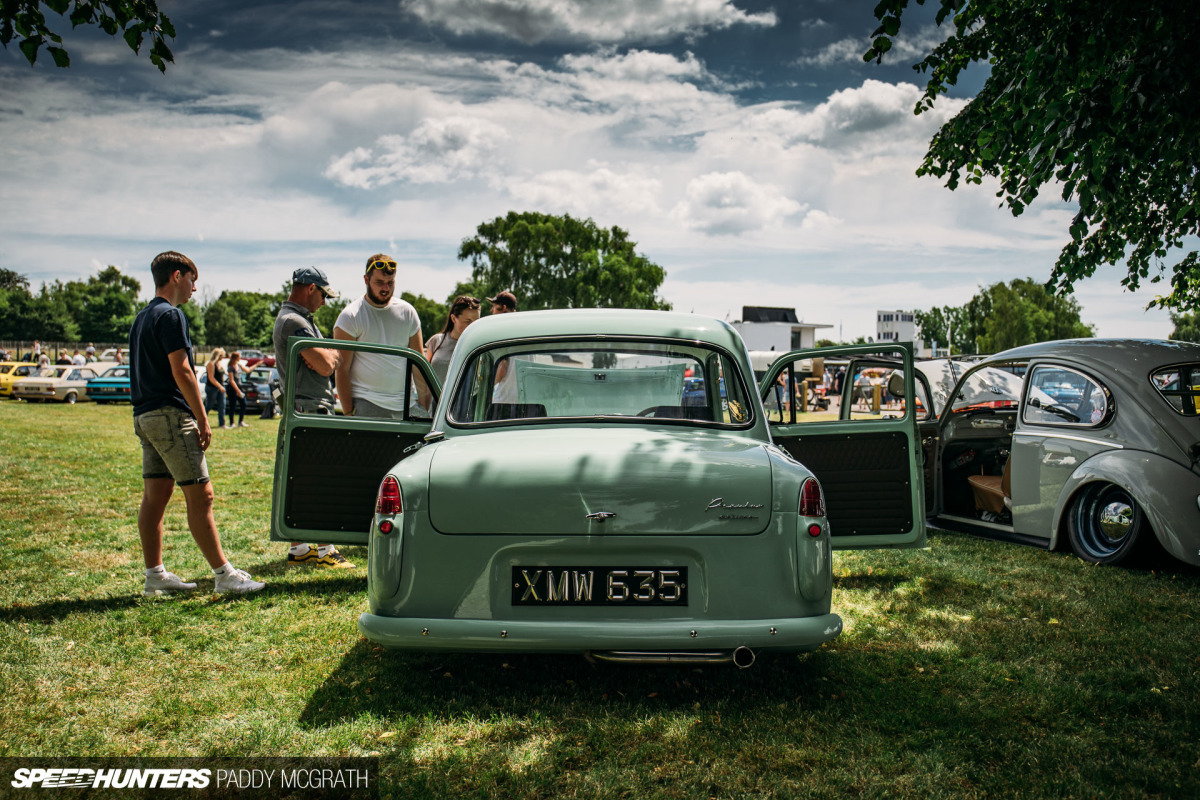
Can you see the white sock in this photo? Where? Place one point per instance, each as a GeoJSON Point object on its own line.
{"type": "Point", "coordinates": [157, 572]}
{"type": "Point", "coordinates": [224, 569]}
{"type": "Point", "coordinates": [324, 550]}
{"type": "Point", "coordinates": [298, 550]}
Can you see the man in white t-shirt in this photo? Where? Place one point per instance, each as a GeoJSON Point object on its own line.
{"type": "Point", "coordinates": [369, 384]}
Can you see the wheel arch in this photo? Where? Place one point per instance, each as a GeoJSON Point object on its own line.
{"type": "Point", "coordinates": [1156, 483]}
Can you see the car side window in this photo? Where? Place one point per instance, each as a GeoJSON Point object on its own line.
{"type": "Point", "coordinates": [1062, 396]}
{"type": "Point", "coordinates": [799, 394]}
{"type": "Point", "coordinates": [1180, 387]}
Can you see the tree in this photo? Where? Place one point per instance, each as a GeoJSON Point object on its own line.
{"type": "Point", "coordinates": [197, 331]}
{"type": "Point", "coordinates": [1187, 327]}
{"type": "Point", "coordinates": [1096, 96]}
{"type": "Point", "coordinates": [11, 280]}
{"type": "Point", "coordinates": [431, 313]}
{"type": "Point", "coordinates": [223, 324]}
{"type": "Point", "coordinates": [134, 19]}
{"type": "Point", "coordinates": [561, 262]}
{"type": "Point", "coordinates": [105, 305]}
{"type": "Point", "coordinates": [1004, 315]}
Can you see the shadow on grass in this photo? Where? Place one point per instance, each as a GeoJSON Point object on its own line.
{"type": "Point", "coordinates": [446, 686]}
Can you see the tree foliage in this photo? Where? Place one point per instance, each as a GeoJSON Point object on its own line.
{"type": "Point", "coordinates": [99, 309]}
{"type": "Point", "coordinates": [1094, 96]}
{"type": "Point", "coordinates": [1004, 315]}
{"type": "Point", "coordinates": [135, 20]}
{"type": "Point", "coordinates": [1187, 327]}
{"type": "Point", "coordinates": [561, 262]}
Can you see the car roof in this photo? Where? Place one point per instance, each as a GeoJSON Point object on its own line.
{"type": "Point", "coordinates": [610, 321]}
{"type": "Point", "coordinates": [1133, 359]}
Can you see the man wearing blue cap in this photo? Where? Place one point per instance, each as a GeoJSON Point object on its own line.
{"type": "Point", "coordinates": [313, 391]}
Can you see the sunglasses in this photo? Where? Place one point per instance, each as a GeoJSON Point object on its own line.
{"type": "Point", "coordinates": [388, 267]}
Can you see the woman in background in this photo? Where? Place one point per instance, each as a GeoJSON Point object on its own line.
{"type": "Point", "coordinates": [235, 397]}
{"type": "Point", "coordinates": [440, 347]}
{"type": "Point", "coordinates": [214, 388]}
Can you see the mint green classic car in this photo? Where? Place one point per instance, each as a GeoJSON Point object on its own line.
{"type": "Point", "coordinates": [567, 491]}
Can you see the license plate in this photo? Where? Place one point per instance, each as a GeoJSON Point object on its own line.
{"type": "Point", "coordinates": [599, 586]}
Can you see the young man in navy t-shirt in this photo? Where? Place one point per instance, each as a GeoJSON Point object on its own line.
{"type": "Point", "coordinates": [169, 418]}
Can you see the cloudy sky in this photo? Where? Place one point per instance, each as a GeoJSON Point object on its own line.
{"type": "Point", "coordinates": [744, 144]}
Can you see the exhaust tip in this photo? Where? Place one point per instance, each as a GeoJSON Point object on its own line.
{"type": "Point", "coordinates": [743, 657]}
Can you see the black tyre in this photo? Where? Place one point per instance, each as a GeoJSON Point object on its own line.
{"type": "Point", "coordinates": [1106, 525]}
{"type": "Point", "coordinates": [71, 398]}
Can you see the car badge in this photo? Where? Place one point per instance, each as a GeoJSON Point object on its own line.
{"type": "Point", "coordinates": [601, 516]}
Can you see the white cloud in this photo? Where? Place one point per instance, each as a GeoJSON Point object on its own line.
{"type": "Point", "coordinates": [732, 203]}
{"type": "Point", "coordinates": [598, 21]}
{"type": "Point", "coordinates": [906, 47]}
{"type": "Point", "coordinates": [600, 193]}
{"type": "Point", "coordinates": [438, 151]}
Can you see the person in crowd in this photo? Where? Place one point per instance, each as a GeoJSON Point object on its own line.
{"type": "Point", "coordinates": [312, 392]}
{"type": "Point", "coordinates": [120, 356]}
{"type": "Point", "coordinates": [369, 384]}
{"type": "Point", "coordinates": [235, 393]}
{"type": "Point", "coordinates": [505, 390]}
{"type": "Point", "coordinates": [169, 419]}
{"type": "Point", "coordinates": [215, 385]}
{"type": "Point", "coordinates": [91, 353]}
{"type": "Point", "coordinates": [78, 359]}
{"type": "Point", "coordinates": [36, 353]}
{"type": "Point", "coordinates": [440, 347]}
{"type": "Point", "coordinates": [43, 363]}
{"type": "Point", "coordinates": [63, 359]}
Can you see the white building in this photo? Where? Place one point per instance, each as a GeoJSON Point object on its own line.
{"type": "Point", "coordinates": [895, 326]}
{"type": "Point", "coordinates": [767, 328]}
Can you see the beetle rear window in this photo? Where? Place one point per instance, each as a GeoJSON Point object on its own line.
{"type": "Point", "coordinates": [651, 381]}
{"type": "Point", "coordinates": [1180, 386]}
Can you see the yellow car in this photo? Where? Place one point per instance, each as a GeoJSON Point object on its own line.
{"type": "Point", "coordinates": [10, 371]}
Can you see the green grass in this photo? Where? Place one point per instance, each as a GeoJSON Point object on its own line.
{"type": "Point", "coordinates": [972, 669]}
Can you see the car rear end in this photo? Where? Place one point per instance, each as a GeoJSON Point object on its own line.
{"type": "Point", "coordinates": [600, 511]}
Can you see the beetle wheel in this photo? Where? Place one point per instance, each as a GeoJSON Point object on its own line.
{"type": "Point", "coordinates": [1105, 524]}
{"type": "Point", "coordinates": [71, 398]}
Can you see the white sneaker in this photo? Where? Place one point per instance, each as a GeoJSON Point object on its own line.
{"type": "Point", "coordinates": [237, 581]}
{"type": "Point", "coordinates": [167, 583]}
{"type": "Point", "coordinates": [243, 425]}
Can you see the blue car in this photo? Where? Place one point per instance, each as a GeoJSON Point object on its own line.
{"type": "Point", "coordinates": [695, 395]}
{"type": "Point", "coordinates": [111, 387]}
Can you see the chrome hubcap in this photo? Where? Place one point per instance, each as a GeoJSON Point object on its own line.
{"type": "Point", "coordinates": [1116, 519]}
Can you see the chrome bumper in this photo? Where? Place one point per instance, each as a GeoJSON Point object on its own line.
{"type": "Point", "coordinates": [527, 636]}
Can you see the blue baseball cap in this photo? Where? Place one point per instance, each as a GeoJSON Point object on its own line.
{"type": "Point", "coordinates": [317, 278]}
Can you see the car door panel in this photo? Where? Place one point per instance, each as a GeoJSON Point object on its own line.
{"type": "Point", "coordinates": [869, 463]}
{"type": "Point", "coordinates": [328, 467]}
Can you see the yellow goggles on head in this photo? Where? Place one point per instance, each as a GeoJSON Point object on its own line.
{"type": "Point", "coordinates": [388, 267]}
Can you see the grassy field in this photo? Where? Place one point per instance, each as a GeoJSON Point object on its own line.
{"type": "Point", "coordinates": [971, 669]}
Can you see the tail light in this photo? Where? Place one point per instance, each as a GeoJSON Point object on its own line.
{"type": "Point", "coordinates": [389, 497]}
{"type": "Point", "coordinates": [812, 500]}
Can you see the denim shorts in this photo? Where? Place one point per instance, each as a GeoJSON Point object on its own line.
{"type": "Point", "coordinates": [171, 446]}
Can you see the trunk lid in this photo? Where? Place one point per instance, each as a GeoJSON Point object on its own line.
{"type": "Point", "coordinates": [545, 481]}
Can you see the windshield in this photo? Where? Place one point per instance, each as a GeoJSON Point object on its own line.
{"type": "Point", "coordinates": [116, 372]}
{"type": "Point", "coordinates": [628, 381]}
{"type": "Point", "coordinates": [989, 387]}
{"type": "Point", "coordinates": [942, 374]}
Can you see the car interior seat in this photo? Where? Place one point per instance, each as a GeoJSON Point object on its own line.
{"type": "Point", "coordinates": [993, 492]}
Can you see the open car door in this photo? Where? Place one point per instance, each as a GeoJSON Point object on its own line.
{"type": "Point", "coordinates": [328, 466]}
{"type": "Point", "coordinates": [861, 442]}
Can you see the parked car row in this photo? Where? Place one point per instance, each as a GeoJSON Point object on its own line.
{"type": "Point", "coordinates": [63, 383]}
{"type": "Point", "coordinates": [108, 383]}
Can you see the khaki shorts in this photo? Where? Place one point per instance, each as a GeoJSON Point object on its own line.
{"type": "Point", "coordinates": [171, 446]}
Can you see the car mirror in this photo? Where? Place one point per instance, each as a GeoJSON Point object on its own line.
{"type": "Point", "coordinates": [895, 384]}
